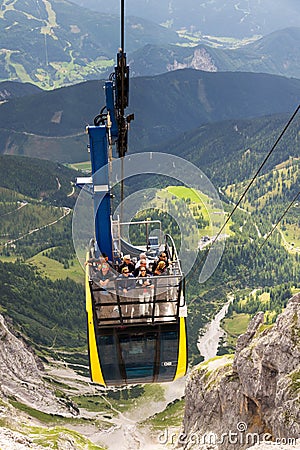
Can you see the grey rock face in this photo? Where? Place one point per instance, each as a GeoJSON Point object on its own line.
{"type": "Point", "coordinates": [253, 399]}
{"type": "Point", "coordinates": [21, 376]}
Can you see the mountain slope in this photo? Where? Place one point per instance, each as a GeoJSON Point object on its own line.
{"type": "Point", "coordinates": [50, 125]}
{"type": "Point", "coordinates": [63, 43]}
{"type": "Point", "coordinates": [10, 89]}
{"type": "Point", "coordinates": [41, 180]}
{"type": "Point", "coordinates": [277, 53]}
{"type": "Point", "coordinates": [55, 42]}
{"type": "Point", "coordinates": [19, 369]}
{"type": "Point", "coordinates": [231, 151]}
{"type": "Point", "coordinates": [37, 197]}
{"type": "Point", "coordinates": [37, 410]}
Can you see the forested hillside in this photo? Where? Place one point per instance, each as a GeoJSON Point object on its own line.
{"type": "Point", "coordinates": [37, 292]}
{"type": "Point", "coordinates": [218, 17]}
{"type": "Point", "coordinates": [244, 267]}
{"type": "Point", "coordinates": [231, 151]}
{"type": "Point", "coordinates": [45, 125]}
{"type": "Point", "coordinates": [41, 180]}
{"type": "Point", "coordinates": [36, 209]}
{"type": "Point", "coordinates": [50, 313]}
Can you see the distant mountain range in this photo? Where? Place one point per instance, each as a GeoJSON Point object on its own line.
{"type": "Point", "coordinates": [214, 17]}
{"type": "Point", "coordinates": [277, 53]}
{"type": "Point", "coordinates": [55, 43]}
{"type": "Point", "coordinates": [50, 125]}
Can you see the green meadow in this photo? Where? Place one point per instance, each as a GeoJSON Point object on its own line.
{"type": "Point", "coordinates": [55, 270]}
{"type": "Point", "coordinates": [200, 205]}
{"type": "Point", "coordinates": [234, 326]}
{"type": "Point", "coordinates": [84, 166]}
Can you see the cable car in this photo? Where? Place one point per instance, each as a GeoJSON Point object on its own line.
{"type": "Point", "coordinates": [129, 343]}
{"type": "Point", "coordinates": [134, 336]}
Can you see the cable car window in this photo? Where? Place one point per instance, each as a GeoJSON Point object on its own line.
{"type": "Point", "coordinates": [138, 353]}
{"type": "Point", "coordinates": [107, 350]}
{"type": "Point", "coordinates": [168, 355]}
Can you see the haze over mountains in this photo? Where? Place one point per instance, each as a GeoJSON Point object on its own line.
{"type": "Point", "coordinates": [213, 17]}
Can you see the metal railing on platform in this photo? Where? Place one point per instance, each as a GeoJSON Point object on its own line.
{"type": "Point", "coordinates": [159, 302]}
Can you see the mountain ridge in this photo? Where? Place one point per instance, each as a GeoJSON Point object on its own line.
{"type": "Point", "coordinates": [11, 89]}
{"type": "Point", "coordinates": [277, 53]}
{"type": "Point", "coordinates": [44, 124]}
{"type": "Point", "coordinates": [63, 42]}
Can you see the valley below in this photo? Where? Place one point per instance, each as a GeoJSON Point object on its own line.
{"type": "Point", "coordinates": [93, 412]}
{"type": "Point", "coordinates": [209, 341]}
{"type": "Point", "coordinates": [105, 422]}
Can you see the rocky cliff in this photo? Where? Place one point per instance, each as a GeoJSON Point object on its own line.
{"type": "Point", "coordinates": [253, 397]}
{"type": "Point", "coordinates": [21, 375]}
{"type": "Point", "coordinates": [25, 394]}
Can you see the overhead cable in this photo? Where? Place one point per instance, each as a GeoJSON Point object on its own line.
{"type": "Point", "coordinates": [256, 174]}
{"type": "Point", "coordinates": [277, 223]}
